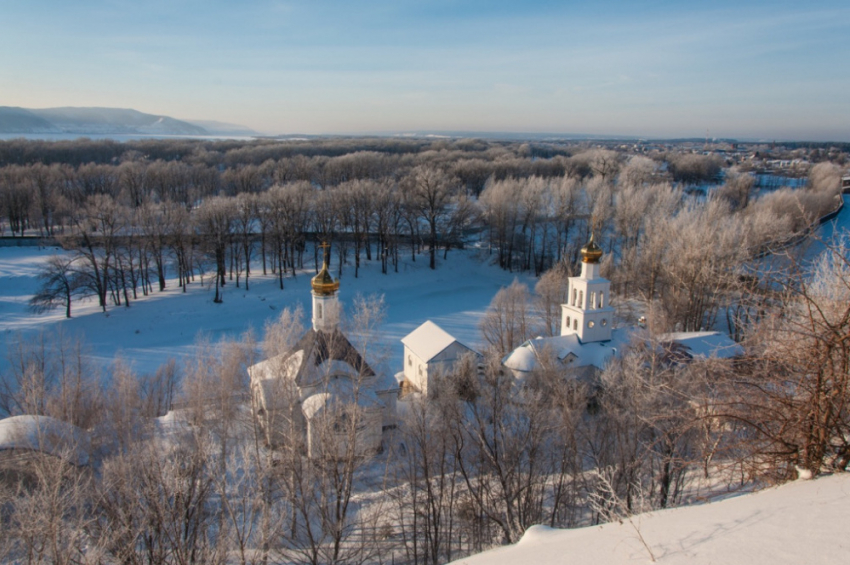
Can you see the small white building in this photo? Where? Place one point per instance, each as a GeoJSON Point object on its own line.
{"type": "Point", "coordinates": [429, 350]}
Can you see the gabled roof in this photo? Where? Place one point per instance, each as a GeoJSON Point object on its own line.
{"type": "Point", "coordinates": [316, 353]}
{"type": "Point", "coordinates": [428, 340]}
{"type": "Point", "coordinates": [704, 344]}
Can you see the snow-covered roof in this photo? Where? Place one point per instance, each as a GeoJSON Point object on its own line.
{"type": "Point", "coordinates": [283, 365]}
{"type": "Point", "coordinates": [339, 393]}
{"type": "Point", "coordinates": [705, 344]}
{"type": "Point", "coordinates": [316, 353]}
{"type": "Point", "coordinates": [47, 435]}
{"type": "Point", "coordinates": [568, 349]}
{"type": "Point", "coordinates": [428, 340]}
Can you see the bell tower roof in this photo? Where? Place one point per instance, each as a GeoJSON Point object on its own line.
{"type": "Point", "coordinates": [323, 283]}
{"type": "Point", "coordinates": [591, 253]}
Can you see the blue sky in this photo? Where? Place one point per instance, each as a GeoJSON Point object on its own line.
{"type": "Point", "coordinates": [735, 69]}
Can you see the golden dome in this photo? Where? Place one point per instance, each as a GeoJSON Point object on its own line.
{"type": "Point", "coordinates": [591, 253]}
{"type": "Point", "coordinates": [323, 283]}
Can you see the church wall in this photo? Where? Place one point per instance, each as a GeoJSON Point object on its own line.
{"type": "Point", "coordinates": [421, 374]}
{"type": "Point", "coordinates": [321, 441]}
{"type": "Point", "coordinates": [415, 370]}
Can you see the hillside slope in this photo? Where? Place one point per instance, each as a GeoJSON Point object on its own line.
{"type": "Point", "coordinates": [800, 522]}
{"type": "Point", "coordinates": [92, 121]}
{"type": "Point", "coordinates": [20, 120]}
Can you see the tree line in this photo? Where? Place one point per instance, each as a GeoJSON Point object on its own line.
{"type": "Point", "coordinates": [131, 226]}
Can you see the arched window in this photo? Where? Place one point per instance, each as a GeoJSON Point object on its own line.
{"type": "Point", "coordinates": [575, 294]}
{"type": "Point", "coordinates": [568, 321]}
{"type": "Point", "coordinates": [575, 324]}
{"type": "Point", "coordinates": [593, 299]}
{"type": "Point", "coordinates": [410, 360]}
{"type": "Point", "coordinates": [581, 299]}
{"type": "Point", "coordinates": [601, 299]}
{"type": "Point", "coordinates": [319, 311]}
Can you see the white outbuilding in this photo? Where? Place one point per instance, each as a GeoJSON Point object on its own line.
{"type": "Point", "coordinates": [429, 350]}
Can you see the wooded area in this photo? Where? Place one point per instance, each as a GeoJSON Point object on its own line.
{"type": "Point", "coordinates": [483, 457]}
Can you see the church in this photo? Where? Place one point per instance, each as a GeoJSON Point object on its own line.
{"type": "Point", "coordinates": [323, 389]}
{"type": "Point", "coordinates": [588, 340]}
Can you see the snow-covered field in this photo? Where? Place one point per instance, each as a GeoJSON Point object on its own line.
{"type": "Point", "coordinates": [801, 522]}
{"type": "Point", "coordinates": [167, 324]}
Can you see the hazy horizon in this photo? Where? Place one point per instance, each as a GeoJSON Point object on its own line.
{"type": "Point", "coordinates": [765, 70]}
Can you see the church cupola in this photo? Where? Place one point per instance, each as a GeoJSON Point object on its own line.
{"type": "Point", "coordinates": [591, 253]}
{"type": "Point", "coordinates": [587, 312]}
{"type": "Point", "coordinates": [325, 300]}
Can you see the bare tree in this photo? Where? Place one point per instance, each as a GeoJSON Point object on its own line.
{"type": "Point", "coordinates": [51, 375]}
{"type": "Point", "coordinates": [431, 192]}
{"type": "Point", "coordinates": [96, 223]}
{"type": "Point", "coordinates": [793, 392]}
{"type": "Point", "coordinates": [508, 321]}
{"type": "Point", "coordinates": [59, 284]}
{"type": "Point", "coordinates": [215, 220]}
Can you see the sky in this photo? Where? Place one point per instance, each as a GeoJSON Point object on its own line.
{"type": "Point", "coordinates": [758, 69]}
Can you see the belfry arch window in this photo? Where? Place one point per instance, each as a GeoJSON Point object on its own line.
{"type": "Point", "coordinates": [593, 299]}
{"type": "Point", "coordinates": [601, 299]}
{"type": "Point", "coordinates": [319, 311]}
{"type": "Point", "coordinates": [581, 299]}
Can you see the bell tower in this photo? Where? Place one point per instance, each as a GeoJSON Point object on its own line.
{"type": "Point", "coordinates": [587, 312]}
{"type": "Point", "coordinates": [325, 299]}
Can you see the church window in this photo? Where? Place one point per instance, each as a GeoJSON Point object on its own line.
{"type": "Point", "coordinates": [568, 321]}
{"type": "Point", "coordinates": [593, 299]}
{"type": "Point", "coordinates": [575, 294]}
{"type": "Point", "coordinates": [604, 322]}
{"type": "Point", "coordinates": [410, 360]}
{"type": "Point", "coordinates": [590, 323]}
{"type": "Point", "coordinates": [420, 370]}
{"type": "Point", "coordinates": [319, 311]}
{"type": "Point", "coordinates": [601, 299]}
{"type": "Point", "coordinates": [581, 299]}
{"type": "Point", "coordinates": [575, 324]}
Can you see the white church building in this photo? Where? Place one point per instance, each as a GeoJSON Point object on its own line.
{"type": "Point", "coordinates": [588, 340]}
{"type": "Point", "coordinates": [323, 389]}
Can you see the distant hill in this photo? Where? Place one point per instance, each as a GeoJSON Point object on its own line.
{"type": "Point", "coordinates": [223, 128]}
{"type": "Point", "coordinates": [19, 120]}
{"type": "Point", "coordinates": [85, 121]}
